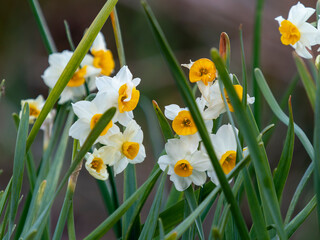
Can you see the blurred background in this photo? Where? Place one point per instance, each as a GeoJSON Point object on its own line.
{"type": "Point", "coordinates": [192, 27]}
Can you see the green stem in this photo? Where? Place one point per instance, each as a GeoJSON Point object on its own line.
{"type": "Point", "coordinates": [42, 24]}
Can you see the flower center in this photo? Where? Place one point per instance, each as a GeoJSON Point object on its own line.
{"type": "Point", "coordinates": [202, 70]}
{"type": "Point", "coordinates": [33, 110]}
{"type": "Point", "coordinates": [239, 91]}
{"type": "Point", "coordinates": [183, 168]}
{"type": "Point", "coordinates": [125, 103]}
{"type": "Point", "coordinates": [97, 164]}
{"type": "Point", "coordinates": [104, 60]}
{"type": "Point", "coordinates": [78, 78]}
{"type": "Point", "coordinates": [130, 149]}
{"type": "Point", "coordinates": [228, 161]}
{"type": "Point", "coordinates": [94, 121]}
{"type": "Point", "coordinates": [290, 33]}
{"type": "Point", "coordinates": [183, 123]}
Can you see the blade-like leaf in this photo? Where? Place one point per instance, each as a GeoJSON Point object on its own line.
{"type": "Point", "coordinates": [71, 67]}
{"type": "Point", "coordinates": [301, 217]}
{"type": "Point", "coordinates": [190, 102]}
{"type": "Point", "coordinates": [151, 221]}
{"type": "Point", "coordinates": [282, 171]}
{"type": "Point", "coordinates": [93, 135]}
{"type": "Point", "coordinates": [306, 78]}
{"type": "Point", "coordinates": [258, 156]}
{"type": "Point", "coordinates": [113, 218]}
{"type": "Point", "coordinates": [192, 202]}
{"type": "Point", "coordinates": [18, 167]}
{"type": "Point", "coordinates": [4, 196]}
{"type": "Point", "coordinates": [280, 114]}
{"type": "Point", "coordinates": [165, 126]}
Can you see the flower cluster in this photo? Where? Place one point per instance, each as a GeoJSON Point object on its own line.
{"type": "Point", "coordinates": [186, 158]}
{"type": "Point", "coordinates": [297, 32]}
{"type": "Point", "coordinates": [116, 148]}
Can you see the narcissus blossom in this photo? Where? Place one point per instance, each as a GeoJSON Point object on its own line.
{"type": "Point", "coordinates": [122, 93]}
{"type": "Point", "coordinates": [75, 87]}
{"type": "Point", "coordinates": [102, 57]}
{"type": "Point", "coordinates": [124, 148]}
{"type": "Point", "coordinates": [96, 163]}
{"type": "Point", "coordinates": [295, 31]}
{"type": "Point", "coordinates": [186, 164]}
{"type": "Point", "coordinates": [89, 113]}
{"type": "Point", "coordinates": [182, 121]}
{"type": "Point", "coordinates": [225, 147]}
{"type": "Point", "coordinates": [35, 107]}
{"type": "Point", "coordinates": [215, 104]}
{"type": "Point", "coordinates": [203, 72]}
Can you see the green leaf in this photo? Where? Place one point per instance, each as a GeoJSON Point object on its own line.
{"type": "Point", "coordinates": [161, 230]}
{"type": "Point", "coordinates": [282, 171]}
{"type": "Point", "coordinates": [71, 228]}
{"type": "Point", "coordinates": [192, 202]}
{"type": "Point", "coordinates": [93, 135]}
{"type": "Point", "coordinates": [306, 78]}
{"type": "Point", "coordinates": [118, 36]}
{"type": "Point", "coordinates": [151, 221]}
{"type": "Point", "coordinates": [174, 197]}
{"type": "Point", "coordinates": [2, 88]}
{"type": "Point", "coordinates": [42, 25]}
{"type": "Point", "coordinates": [258, 156]}
{"type": "Point", "coordinates": [256, 60]}
{"type": "Point", "coordinates": [4, 196]}
{"type": "Point", "coordinates": [280, 114]}
{"type": "Point", "coordinates": [71, 67]}
{"type": "Point", "coordinates": [188, 97]}
{"type": "Point", "coordinates": [18, 166]}
{"type": "Point", "coordinates": [129, 218]}
{"type": "Point", "coordinates": [113, 218]}
{"type": "Point", "coordinates": [316, 141]}
{"type": "Point", "coordinates": [301, 217]}
{"type": "Point", "coordinates": [182, 227]}
{"type": "Point", "coordinates": [165, 126]}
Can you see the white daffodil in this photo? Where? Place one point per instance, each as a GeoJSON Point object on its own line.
{"type": "Point", "coordinates": [122, 93]}
{"type": "Point", "coordinates": [96, 163]}
{"type": "Point", "coordinates": [35, 107]}
{"type": "Point", "coordinates": [186, 164]}
{"type": "Point", "coordinates": [295, 31]}
{"type": "Point", "coordinates": [225, 147]}
{"type": "Point", "coordinates": [215, 104]}
{"type": "Point", "coordinates": [102, 57]}
{"type": "Point", "coordinates": [89, 113]}
{"type": "Point", "coordinates": [124, 148]}
{"type": "Point", "coordinates": [203, 72]}
{"type": "Point", "coordinates": [75, 87]}
{"type": "Point", "coordinates": [182, 121]}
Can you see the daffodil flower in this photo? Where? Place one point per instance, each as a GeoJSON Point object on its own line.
{"type": "Point", "coordinates": [215, 104]}
{"type": "Point", "coordinates": [225, 147]}
{"type": "Point", "coordinates": [35, 107]}
{"type": "Point", "coordinates": [203, 72]}
{"type": "Point", "coordinates": [89, 113]}
{"type": "Point", "coordinates": [295, 30]}
{"type": "Point", "coordinates": [102, 57]}
{"type": "Point", "coordinates": [122, 93]}
{"type": "Point", "coordinates": [124, 148]}
{"type": "Point", "coordinates": [182, 121]}
{"type": "Point", "coordinates": [75, 87]}
{"type": "Point", "coordinates": [96, 163]}
{"type": "Point", "coordinates": [186, 164]}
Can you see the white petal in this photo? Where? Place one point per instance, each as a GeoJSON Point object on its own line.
{"type": "Point", "coordinates": [84, 110]}
{"type": "Point", "coordinates": [79, 130]}
{"type": "Point", "coordinates": [198, 178]}
{"type": "Point", "coordinates": [188, 65]}
{"type": "Point", "coordinates": [279, 19]}
{"type": "Point", "coordinates": [171, 111]}
{"type": "Point", "coordinates": [124, 75]}
{"type": "Point", "coordinates": [104, 83]}
{"type": "Point", "coordinates": [181, 183]}
{"type": "Point", "coordinates": [200, 162]}
{"type": "Point", "coordinates": [141, 155]}
{"type": "Point", "coordinates": [299, 13]}
{"type": "Point", "coordinates": [136, 81]}
{"type": "Point", "coordinates": [120, 165]}
{"type": "Point", "coordinates": [99, 43]}
{"type": "Point", "coordinates": [165, 161]}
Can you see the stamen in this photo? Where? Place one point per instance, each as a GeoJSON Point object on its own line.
{"type": "Point", "coordinates": [183, 168]}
